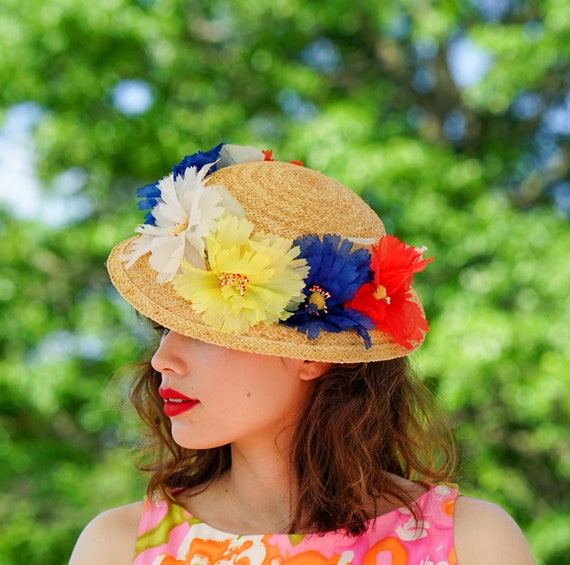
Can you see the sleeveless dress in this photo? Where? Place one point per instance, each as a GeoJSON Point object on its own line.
{"type": "Point", "coordinates": [169, 535]}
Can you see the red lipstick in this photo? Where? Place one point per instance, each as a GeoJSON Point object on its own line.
{"type": "Point", "coordinates": [175, 403]}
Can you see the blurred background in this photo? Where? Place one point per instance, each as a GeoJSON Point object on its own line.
{"type": "Point", "coordinates": [451, 118]}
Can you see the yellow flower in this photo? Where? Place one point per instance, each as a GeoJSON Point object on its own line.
{"type": "Point", "coordinates": [252, 279]}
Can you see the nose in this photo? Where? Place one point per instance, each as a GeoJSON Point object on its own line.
{"type": "Point", "coordinates": [169, 358]}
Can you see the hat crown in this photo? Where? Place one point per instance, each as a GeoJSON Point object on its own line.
{"type": "Point", "coordinates": [290, 201]}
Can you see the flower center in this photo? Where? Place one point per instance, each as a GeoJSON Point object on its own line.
{"type": "Point", "coordinates": [381, 294]}
{"type": "Point", "coordinates": [234, 279]}
{"type": "Point", "coordinates": [317, 301]}
{"type": "Point", "coordinates": [177, 229]}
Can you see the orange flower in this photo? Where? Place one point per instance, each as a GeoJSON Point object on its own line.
{"type": "Point", "coordinates": [215, 551]}
{"type": "Point", "coordinates": [391, 549]}
{"type": "Point", "coordinates": [387, 299]}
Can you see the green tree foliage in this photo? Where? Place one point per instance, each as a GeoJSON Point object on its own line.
{"type": "Point", "coordinates": [451, 118]}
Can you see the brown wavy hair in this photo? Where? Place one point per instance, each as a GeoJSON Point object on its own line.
{"type": "Point", "coordinates": [363, 424]}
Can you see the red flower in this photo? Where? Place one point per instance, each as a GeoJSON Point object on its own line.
{"type": "Point", "coordinates": [387, 299]}
{"type": "Point", "coordinates": [268, 156]}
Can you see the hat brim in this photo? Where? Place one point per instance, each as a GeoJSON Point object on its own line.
{"type": "Point", "coordinates": [160, 303]}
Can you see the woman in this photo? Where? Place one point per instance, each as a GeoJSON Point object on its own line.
{"type": "Point", "coordinates": [285, 424]}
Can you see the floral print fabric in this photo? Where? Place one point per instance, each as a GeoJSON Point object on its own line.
{"type": "Point", "coordinates": [169, 535]}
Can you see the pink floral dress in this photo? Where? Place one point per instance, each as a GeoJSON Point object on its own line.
{"type": "Point", "coordinates": [169, 535]}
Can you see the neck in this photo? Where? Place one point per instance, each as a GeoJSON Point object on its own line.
{"type": "Point", "coordinates": [259, 491]}
{"type": "Point", "coordinates": [258, 487]}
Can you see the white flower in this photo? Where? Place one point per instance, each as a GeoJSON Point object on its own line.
{"type": "Point", "coordinates": [187, 211]}
{"type": "Point", "coordinates": [233, 154]}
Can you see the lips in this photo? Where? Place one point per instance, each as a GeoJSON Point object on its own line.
{"type": "Point", "coordinates": [176, 403]}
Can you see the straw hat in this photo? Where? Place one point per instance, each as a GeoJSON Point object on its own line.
{"type": "Point", "coordinates": [295, 241]}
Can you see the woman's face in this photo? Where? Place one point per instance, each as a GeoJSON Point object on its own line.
{"type": "Point", "coordinates": [216, 396]}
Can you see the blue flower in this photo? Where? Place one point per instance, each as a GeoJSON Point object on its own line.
{"type": "Point", "coordinates": [335, 275]}
{"type": "Point", "coordinates": [198, 160]}
{"type": "Point", "coordinates": [149, 194]}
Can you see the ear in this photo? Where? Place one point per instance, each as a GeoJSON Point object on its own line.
{"type": "Point", "coordinates": [310, 370]}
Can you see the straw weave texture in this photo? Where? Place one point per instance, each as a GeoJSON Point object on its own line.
{"type": "Point", "coordinates": [281, 199]}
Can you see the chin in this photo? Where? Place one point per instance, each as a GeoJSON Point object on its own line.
{"type": "Point", "coordinates": [191, 441]}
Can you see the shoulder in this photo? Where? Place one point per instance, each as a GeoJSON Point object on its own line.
{"type": "Point", "coordinates": [486, 535]}
{"type": "Point", "coordinates": [109, 538]}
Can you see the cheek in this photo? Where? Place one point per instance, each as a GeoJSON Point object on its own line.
{"type": "Point", "coordinates": [270, 396]}
{"type": "Point", "coordinates": [258, 387]}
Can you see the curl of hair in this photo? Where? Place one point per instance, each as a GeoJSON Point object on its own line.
{"type": "Point", "coordinates": [364, 425]}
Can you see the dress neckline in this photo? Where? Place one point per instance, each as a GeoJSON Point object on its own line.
{"type": "Point", "coordinates": [419, 501]}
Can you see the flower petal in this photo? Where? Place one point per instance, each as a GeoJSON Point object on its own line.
{"type": "Point", "coordinates": [198, 160]}
{"type": "Point", "coordinates": [394, 264]}
{"type": "Point", "coordinates": [387, 300]}
{"type": "Point", "coordinates": [250, 281]}
{"type": "Point", "coordinates": [166, 256]}
{"type": "Point", "coordinates": [139, 247]}
{"type": "Point", "coordinates": [336, 272]}
{"type": "Point", "coordinates": [233, 154]}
